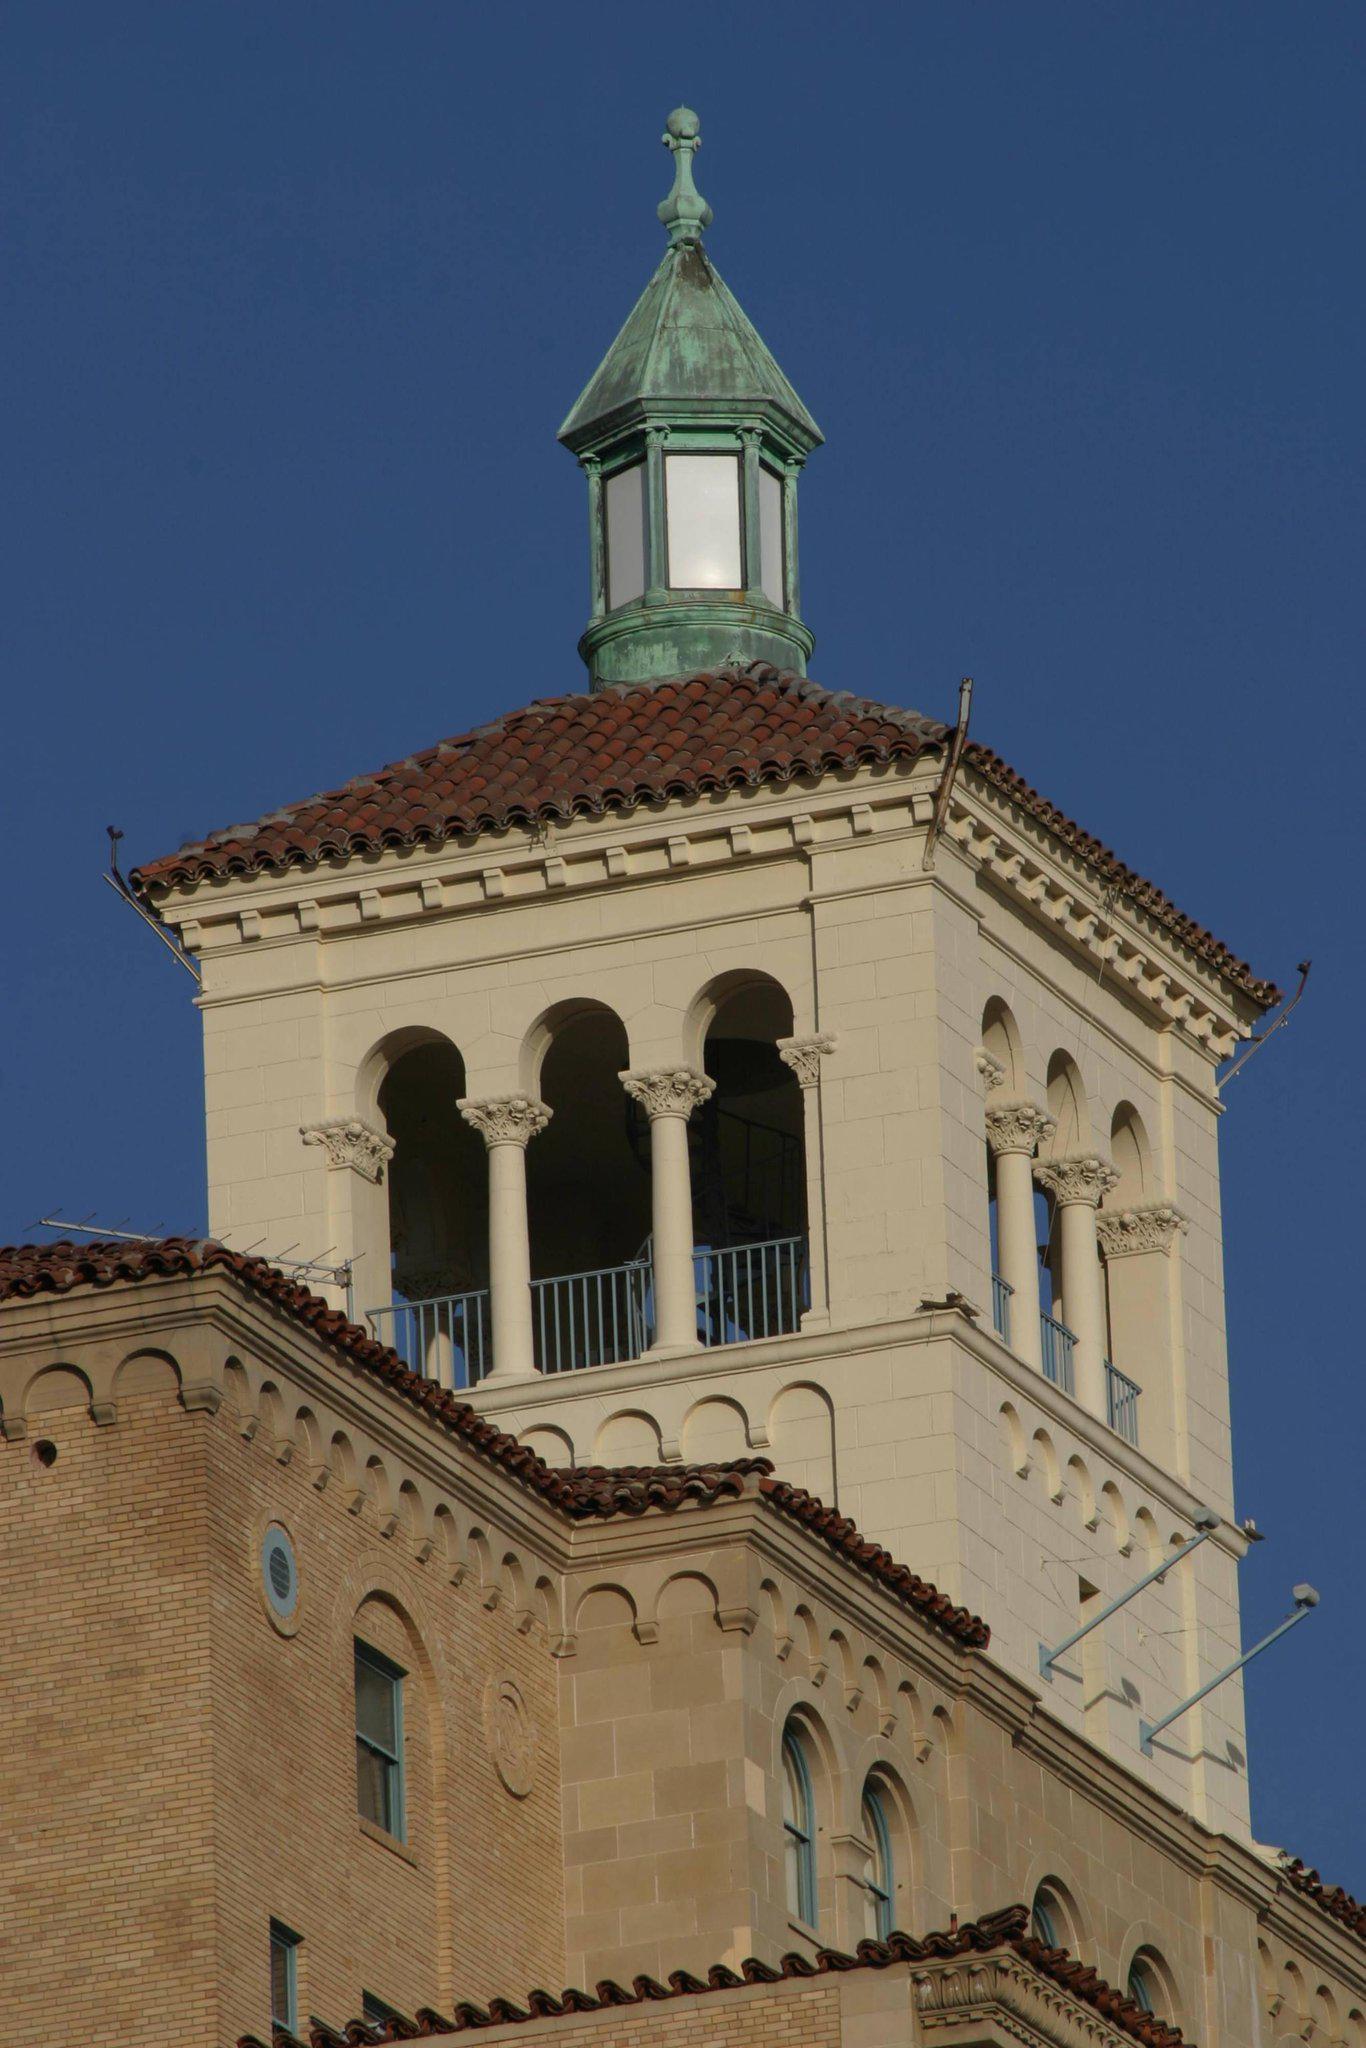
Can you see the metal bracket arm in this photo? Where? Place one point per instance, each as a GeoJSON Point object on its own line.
{"type": "Point", "coordinates": [1206, 1522]}
{"type": "Point", "coordinates": [1305, 1598]}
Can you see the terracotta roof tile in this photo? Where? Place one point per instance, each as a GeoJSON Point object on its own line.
{"type": "Point", "coordinates": [1331, 1897]}
{"type": "Point", "coordinates": [633, 744]}
{"type": "Point", "coordinates": [590, 1492]}
{"type": "Point", "coordinates": [1006, 1929]}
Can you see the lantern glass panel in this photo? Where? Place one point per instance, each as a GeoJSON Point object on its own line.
{"type": "Point", "coordinates": [702, 501]}
{"type": "Point", "coordinates": [625, 496]}
{"type": "Point", "coordinates": [771, 537]}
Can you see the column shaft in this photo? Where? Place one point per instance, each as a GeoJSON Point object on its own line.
{"type": "Point", "coordinates": [671, 1215]}
{"type": "Point", "coordinates": [1018, 1251]}
{"type": "Point", "coordinates": [509, 1264]}
{"type": "Point", "coordinates": [1084, 1301]}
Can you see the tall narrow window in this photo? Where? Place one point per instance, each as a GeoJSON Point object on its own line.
{"type": "Point", "coordinates": [1143, 1984]}
{"type": "Point", "coordinates": [1046, 1919]}
{"type": "Point", "coordinates": [284, 1977]}
{"type": "Point", "coordinates": [379, 1740]}
{"type": "Point", "coordinates": [625, 521]}
{"type": "Point", "coordinates": [702, 504]}
{"type": "Point", "coordinates": [881, 1878]}
{"type": "Point", "coordinates": [771, 537]}
{"type": "Point", "coordinates": [799, 1830]}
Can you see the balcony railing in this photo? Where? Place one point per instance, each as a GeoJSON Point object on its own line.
{"type": "Point", "coordinates": [445, 1339]}
{"type": "Point", "coordinates": [605, 1317]}
{"type": "Point", "coordinates": [1121, 1403]}
{"type": "Point", "coordinates": [597, 1318]}
{"type": "Point", "coordinates": [1001, 1291]}
{"type": "Point", "coordinates": [1058, 1345]}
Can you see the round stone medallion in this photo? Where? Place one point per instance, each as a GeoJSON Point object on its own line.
{"type": "Point", "coordinates": [511, 1736]}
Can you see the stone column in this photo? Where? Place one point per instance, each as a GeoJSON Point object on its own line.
{"type": "Point", "coordinates": [804, 1056]}
{"type": "Point", "coordinates": [506, 1124]}
{"type": "Point", "coordinates": [358, 1157]}
{"type": "Point", "coordinates": [669, 1095]}
{"type": "Point", "coordinates": [1015, 1130]}
{"type": "Point", "coordinates": [1076, 1185]}
{"type": "Point", "coordinates": [1137, 1240]}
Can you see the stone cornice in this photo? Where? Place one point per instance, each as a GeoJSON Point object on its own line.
{"type": "Point", "coordinates": [1084, 1177]}
{"type": "Point", "coordinates": [668, 1091]}
{"type": "Point", "coordinates": [1143, 1227]}
{"type": "Point", "coordinates": [505, 1119]}
{"type": "Point", "coordinates": [1001, 1988]}
{"type": "Point", "coordinates": [1017, 1127]}
{"type": "Point", "coordinates": [804, 1055]}
{"type": "Point", "coordinates": [349, 1142]}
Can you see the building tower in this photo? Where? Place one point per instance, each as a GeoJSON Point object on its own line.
{"type": "Point", "coordinates": [665, 1087]}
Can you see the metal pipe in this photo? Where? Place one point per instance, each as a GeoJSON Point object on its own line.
{"type": "Point", "coordinates": [1304, 1597]}
{"type": "Point", "coordinates": [1206, 1522]}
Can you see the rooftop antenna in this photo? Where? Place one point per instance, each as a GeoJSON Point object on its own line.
{"type": "Point", "coordinates": [339, 1274]}
{"type": "Point", "coordinates": [119, 883]}
{"type": "Point", "coordinates": [946, 780]}
{"type": "Point", "coordinates": [1260, 1040]}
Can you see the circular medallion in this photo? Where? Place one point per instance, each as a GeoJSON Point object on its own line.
{"type": "Point", "coordinates": [279, 1574]}
{"type": "Point", "coordinates": [511, 1736]}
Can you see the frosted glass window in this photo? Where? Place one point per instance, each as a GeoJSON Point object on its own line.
{"type": "Point", "coordinates": [625, 535]}
{"type": "Point", "coordinates": [702, 495]}
{"type": "Point", "coordinates": [771, 537]}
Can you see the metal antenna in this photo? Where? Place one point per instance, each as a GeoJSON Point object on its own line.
{"type": "Point", "coordinates": [1246, 1054]}
{"type": "Point", "coordinates": [946, 780]}
{"type": "Point", "coordinates": [121, 887]}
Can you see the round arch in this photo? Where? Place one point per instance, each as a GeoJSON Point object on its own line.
{"type": "Point", "coordinates": [1001, 1041]}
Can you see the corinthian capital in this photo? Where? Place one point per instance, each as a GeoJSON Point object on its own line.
{"type": "Point", "coordinates": [668, 1091]}
{"type": "Point", "coordinates": [804, 1055]}
{"type": "Point", "coordinates": [1083, 1178]}
{"type": "Point", "coordinates": [989, 1067]}
{"type": "Point", "coordinates": [1017, 1127]}
{"type": "Point", "coordinates": [349, 1142]}
{"type": "Point", "coordinates": [1144, 1227]}
{"type": "Point", "coordinates": [505, 1119]}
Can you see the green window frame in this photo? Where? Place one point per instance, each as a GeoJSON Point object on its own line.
{"type": "Point", "coordinates": [799, 1830]}
{"type": "Point", "coordinates": [379, 1741]}
{"type": "Point", "coordinates": [881, 1878]}
{"type": "Point", "coordinates": [284, 1976]}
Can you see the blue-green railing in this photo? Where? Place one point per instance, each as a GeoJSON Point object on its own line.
{"type": "Point", "coordinates": [1001, 1291]}
{"type": "Point", "coordinates": [447, 1338]}
{"type": "Point", "coordinates": [597, 1318]}
{"type": "Point", "coordinates": [745, 1291]}
{"type": "Point", "coordinates": [1058, 1345]}
{"type": "Point", "coordinates": [1121, 1403]}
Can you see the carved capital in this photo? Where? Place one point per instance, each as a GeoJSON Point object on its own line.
{"type": "Point", "coordinates": [1017, 1127]}
{"type": "Point", "coordinates": [1145, 1227]}
{"type": "Point", "coordinates": [668, 1091]}
{"type": "Point", "coordinates": [350, 1142]}
{"type": "Point", "coordinates": [804, 1055]}
{"type": "Point", "coordinates": [505, 1119]}
{"type": "Point", "coordinates": [1085, 1177]}
{"type": "Point", "coordinates": [992, 1072]}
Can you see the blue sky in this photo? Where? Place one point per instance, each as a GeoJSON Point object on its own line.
{"type": "Point", "coordinates": [296, 298]}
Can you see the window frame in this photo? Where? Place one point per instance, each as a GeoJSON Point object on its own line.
{"type": "Point", "coordinates": [881, 1879]}
{"type": "Point", "coordinates": [375, 2011]}
{"type": "Point", "coordinates": [395, 1800]}
{"type": "Point", "coordinates": [285, 1942]}
{"type": "Point", "coordinates": [799, 1830]}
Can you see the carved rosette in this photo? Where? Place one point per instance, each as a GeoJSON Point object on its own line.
{"type": "Point", "coordinates": [1144, 1227]}
{"type": "Point", "coordinates": [804, 1055]}
{"type": "Point", "coordinates": [1085, 1177]}
{"type": "Point", "coordinates": [505, 1119]}
{"type": "Point", "coordinates": [668, 1091]}
{"type": "Point", "coordinates": [1017, 1127]}
{"type": "Point", "coordinates": [992, 1072]}
{"type": "Point", "coordinates": [511, 1736]}
{"type": "Point", "coordinates": [349, 1142]}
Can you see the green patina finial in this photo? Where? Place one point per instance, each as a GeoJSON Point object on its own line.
{"type": "Point", "coordinates": [685, 212]}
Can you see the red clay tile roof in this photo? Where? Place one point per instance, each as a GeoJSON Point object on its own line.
{"type": "Point", "coordinates": [1006, 1929]}
{"type": "Point", "coordinates": [1331, 1897]}
{"type": "Point", "coordinates": [630, 744]}
{"type": "Point", "coordinates": [586, 1493]}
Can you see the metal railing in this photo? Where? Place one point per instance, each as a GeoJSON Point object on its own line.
{"type": "Point", "coordinates": [1121, 1403]}
{"type": "Point", "coordinates": [445, 1339]}
{"type": "Point", "coordinates": [597, 1318]}
{"type": "Point", "coordinates": [745, 1291]}
{"type": "Point", "coordinates": [1001, 1291]}
{"type": "Point", "coordinates": [1058, 1345]}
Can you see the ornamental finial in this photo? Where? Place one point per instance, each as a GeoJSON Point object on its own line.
{"type": "Point", "coordinates": [685, 212]}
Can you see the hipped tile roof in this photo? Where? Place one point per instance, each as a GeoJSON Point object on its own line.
{"type": "Point", "coordinates": [1003, 1930]}
{"type": "Point", "coordinates": [1331, 1897]}
{"type": "Point", "coordinates": [632, 744]}
{"type": "Point", "coordinates": [593, 1492]}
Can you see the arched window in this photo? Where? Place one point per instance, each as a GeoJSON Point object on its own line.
{"type": "Point", "coordinates": [1145, 1985]}
{"type": "Point", "coordinates": [881, 1878]}
{"type": "Point", "coordinates": [799, 1830]}
{"type": "Point", "coordinates": [1048, 1918]}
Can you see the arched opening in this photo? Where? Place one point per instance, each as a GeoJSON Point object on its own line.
{"type": "Point", "coordinates": [1053, 1917]}
{"type": "Point", "coordinates": [1148, 1984]}
{"type": "Point", "coordinates": [1133, 1313]}
{"type": "Point", "coordinates": [879, 1817]}
{"type": "Point", "coordinates": [588, 1197]}
{"type": "Point", "coordinates": [1001, 1043]}
{"type": "Point", "coordinates": [437, 1185]}
{"type": "Point", "coordinates": [748, 1171]}
{"type": "Point", "coordinates": [799, 1827]}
